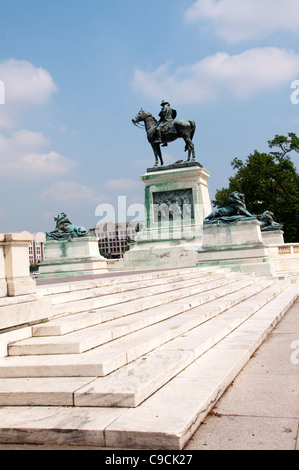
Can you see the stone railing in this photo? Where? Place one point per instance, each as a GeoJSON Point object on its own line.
{"type": "Point", "coordinates": [285, 256]}
{"type": "Point", "coordinates": [285, 249]}
{"type": "Point", "coordinates": [289, 249]}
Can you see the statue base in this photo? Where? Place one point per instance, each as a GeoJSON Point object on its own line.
{"type": "Point", "coordinates": [273, 237]}
{"type": "Point", "coordinates": [237, 246]}
{"type": "Point", "coordinates": [176, 202]}
{"type": "Point", "coordinates": [177, 165]}
{"type": "Point", "coordinates": [158, 248]}
{"type": "Point", "coordinates": [78, 257]}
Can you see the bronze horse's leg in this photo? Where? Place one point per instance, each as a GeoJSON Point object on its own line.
{"type": "Point", "coordinates": [190, 148]}
{"type": "Point", "coordinates": [186, 130]}
{"type": "Point", "coordinates": [158, 154]}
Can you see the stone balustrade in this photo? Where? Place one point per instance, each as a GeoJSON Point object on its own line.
{"type": "Point", "coordinates": [289, 249]}
{"type": "Point", "coordinates": [285, 257]}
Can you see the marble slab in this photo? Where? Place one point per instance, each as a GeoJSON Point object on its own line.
{"type": "Point", "coordinates": [110, 300]}
{"type": "Point", "coordinates": [106, 288]}
{"type": "Point", "coordinates": [107, 358]}
{"type": "Point", "coordinates": [137, 381]}
{"type": "Point", "coordinates": [11, 336]}
{"type": "Point", "coordinates": [56, 425]}
{"type": "Point", "coordinates": [114, 280]}
{"type": "Point", "coordinates": [97, 362]}
{"type": "Point", "coordinates": [89, 338]}
{"type": "Point", "coordinates": [132, 384]}
{"type": "Point", "coordinates": [202, 338]}
{"type": "Point", "coordinates": [37, 391]}
{"type": "Point", "coordinates": [168, 419]}
{"type": "Point", "coordinates": [17, 314]}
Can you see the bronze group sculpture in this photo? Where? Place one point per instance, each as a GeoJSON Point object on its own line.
{"type": "Point", "coordinates": [65, 230]}
{"type": "Point", "coordinates": [166, 130]}
{"type": "Point", "coordinates": [234, 211]}
{"type": "Point", "coordinates": [267, 222]}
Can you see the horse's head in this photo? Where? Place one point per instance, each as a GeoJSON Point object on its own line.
{"type": "Point", "coordinates": [143, 116]}
{"type": "Point", "coordinates": [139, 117]}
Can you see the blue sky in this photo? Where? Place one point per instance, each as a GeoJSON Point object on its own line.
{"type": "Point", "coordinates": [76, 73]}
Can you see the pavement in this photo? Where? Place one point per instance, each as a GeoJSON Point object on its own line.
{"type": "Point", "coordinates": [259, 410]}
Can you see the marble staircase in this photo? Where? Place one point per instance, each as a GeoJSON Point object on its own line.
{"type": "Point", "coordinates": [134, 361]}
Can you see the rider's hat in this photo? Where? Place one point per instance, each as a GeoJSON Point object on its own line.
{"type": "Point", "coordinates": [164, 102]}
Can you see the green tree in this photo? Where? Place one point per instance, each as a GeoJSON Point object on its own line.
{"type": "Point", "coordinates": [270, 182]}
{"type": "Point", "coordinates": [33, 267]}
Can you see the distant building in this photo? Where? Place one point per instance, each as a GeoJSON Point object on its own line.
{"type": "Point", "coordinates": [37, 248]}
{"type": "Point", "coordinates": [115, 237]}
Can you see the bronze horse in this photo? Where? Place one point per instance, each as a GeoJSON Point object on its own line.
{"type": "Point", "coordinates": [179, 129]}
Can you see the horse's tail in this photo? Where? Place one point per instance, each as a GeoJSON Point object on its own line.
{"type": "Point", "coordinates": [193, 128]}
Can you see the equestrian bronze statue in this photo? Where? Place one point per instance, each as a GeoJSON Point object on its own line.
{"type": "Point", "coordinates": [166, 130]}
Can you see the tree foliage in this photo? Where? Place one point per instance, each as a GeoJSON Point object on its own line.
{"type": "Point", "coordinates": [270, 182]}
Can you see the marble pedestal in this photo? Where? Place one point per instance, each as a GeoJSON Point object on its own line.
{"type": "Point", "coordinates": [176, 202]}
{"type": "Point", "coordinates": [239, 246]}
{"type": "Point", "coordinates": [16, 262]}
{"type": "Point", "coordinates": [78, 257]}
{"type": "Point", "coordinates": [273, 237]}
{"type": "Point", "coordinates": [20, 303]}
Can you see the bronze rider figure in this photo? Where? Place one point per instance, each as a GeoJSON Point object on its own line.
{"type": "Point", "coordinates": [167, 116]}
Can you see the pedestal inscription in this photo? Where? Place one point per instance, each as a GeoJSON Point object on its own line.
{"type": "Point", "coordinates": [173, 205]}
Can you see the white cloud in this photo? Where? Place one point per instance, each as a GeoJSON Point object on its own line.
{"type": "Point", "coordinates": [121, 185]}
{"type": "Point", "coordinates": [240, 75]}
{"type": "Point", "coordinates": [23, 155]}
{"type": "Point", "coordinates": [25, 139]}
{"type": "Point", "coordinates": [72, 192]}
{"type": "Point", "coordinates": [238, 20]}
{"type": "Point", "coordinates": [25, 86]}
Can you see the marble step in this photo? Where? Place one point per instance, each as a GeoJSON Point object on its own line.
{"type": "Point", "coordinates": [102, 287]}
{"type": "Point", "coordinates": [77, 321]}
{"type": "Point", "coordinates": [149, 312]}
{"type": "Point", "coordinates": [132, 384]}
{"type": "Point", "coordinates": [78, 306]}
{"type": "Point", "coordinates": [57, 290]}
{"type": "Point", "coordinates": [107, 358]}
{"type": "Point", "coordinates": [9, 337]}
{"type": "Point", "coordinates": [167, 419]}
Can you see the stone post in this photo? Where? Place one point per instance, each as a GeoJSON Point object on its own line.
{"type": "Point", "coordinates": [3, 285]}
{"type": "Point", "coordinates": [16, 259]}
